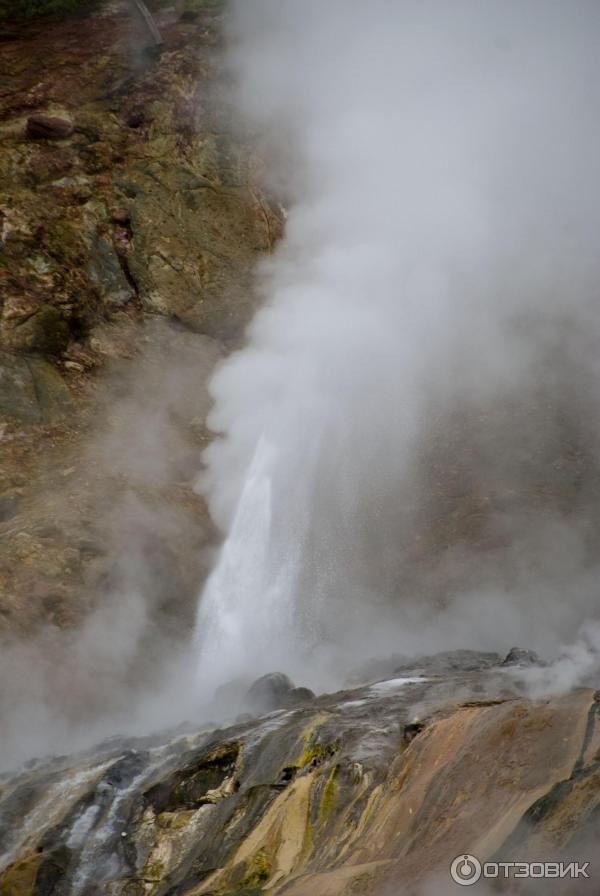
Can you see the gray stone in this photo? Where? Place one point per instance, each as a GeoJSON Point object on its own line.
{"type": "Point", "coordinates": [300, 695]}
{"type": "Point", "coordinates": [31, 390]}
{"type": "Point", "coordinates": [270, 692]}
{"type": "Point", "coordinates": [518, 656]}
{"type": "Point", "coordinates": [9, 506]}
{"type": "Point", "coordinates": [45, 331]}
{"type": "Point", "coordinates": [450, 661]}
{"type": "Point", "coordinates": [106, 272]}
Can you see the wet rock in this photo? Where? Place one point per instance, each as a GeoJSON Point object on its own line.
{"type": "Point", "coordinates": [450, 661]}
{"type": "Point", "coordinates": [51, 871]}
{"type": "Point", "coordinates": [518, 656]}
{"type": "Point", "coordinates": [228, 811]}
{"type": "Point", "coordinates": [270, 692]}
{"type": "Point", "coordinates": [411, 730]}
{"type": "Point", "coordinates": [48, 127]}
{"type": "Point", "coordinates": [123, 772]}
{"type": "Point", "coordinates": [198, 783]}
{"type": "Point", "coordinates": [300, 695]}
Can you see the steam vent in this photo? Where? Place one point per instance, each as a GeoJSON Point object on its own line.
{"type": "Point", "coordinates": [299, 448]}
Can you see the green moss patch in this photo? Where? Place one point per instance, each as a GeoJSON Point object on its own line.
{"type": "Point", "coordinates": [29, 9]}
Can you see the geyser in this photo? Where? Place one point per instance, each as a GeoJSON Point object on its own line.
{"type": "Point", "coordinates": [440, 264]}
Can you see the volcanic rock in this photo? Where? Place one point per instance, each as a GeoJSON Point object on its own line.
{"type": "Point", "coordinates": [48, 127]}
{"type": "Point", "coordinates": [449, 661]}
{"type": "Point", "coordinates": [270, 692]}
{"type": "Point", "coordinates": [347, 796]}
{"type": "Point", "coordinates": [518, 656]}
{"type": "Point", "coordinates": [31, 390]}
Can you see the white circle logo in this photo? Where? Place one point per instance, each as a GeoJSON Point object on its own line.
{"type": "Point", "coordinates": [465, 870]}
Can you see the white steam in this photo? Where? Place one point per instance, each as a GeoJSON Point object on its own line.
{"type": "Point", "coordinates": [440, 162]}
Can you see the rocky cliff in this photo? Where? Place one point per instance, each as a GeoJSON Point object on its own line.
{"type": "Point", "coordinates": [130, 223]}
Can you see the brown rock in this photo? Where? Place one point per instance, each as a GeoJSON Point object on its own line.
{"type": "Point", "coordinates": [42, 330]}
{"type": "Point", "coordinates": [48, 127]}
{"type": "Point", "coordinates": [120, 215]}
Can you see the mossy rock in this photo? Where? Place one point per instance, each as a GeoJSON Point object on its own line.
{"type": "Point", "coordinates": [251, 879]}
{"type": "Point", "coordinates": [46, 331]}
{"type": "Point", "coordinates": [31, 390]}
{"type": "Point", "coordinates": [29, 9]}
{"type": "Point", "coordinates": [258, 871]}
{"type": "Point", "coordinates": [19, 878]}
{"type": "Point", "coordinates": [188, 787]}
{"type": "Point", "coordinates": [316, 753]}
{"type": "Point", "coordinates": [328, 798]}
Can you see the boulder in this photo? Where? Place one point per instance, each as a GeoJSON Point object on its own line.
{"type": "Point", "coordinates": [45, 331]}
{"type": "Point", "coordinates": [270, 692]}
{"type": "Point", "coordinates": [31, 390]}
{"type": "Point", "coordinates": [48, 127]}
{"type": "Point", "coordinates": [300, 695]}
{"type": "Point", "coordinates": [518, 656]}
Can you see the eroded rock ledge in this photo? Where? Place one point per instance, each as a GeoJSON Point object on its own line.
{"type": "Point", "coordinates": [349, 793]}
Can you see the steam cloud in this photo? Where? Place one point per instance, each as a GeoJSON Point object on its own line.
{"type": "Point", "coordinates": [427, 349]}
{"type": "Point", "coordinates": [408, 458]}
{"type": "Point", "coordinates": [124, 668]}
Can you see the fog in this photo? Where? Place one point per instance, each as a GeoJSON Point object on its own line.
{"type": "Point", "coordinates": [123, 664]}
{"type": "Point", "coordinates": [408, 443]}
{"type": "Point", "coordinates": [406, 453]}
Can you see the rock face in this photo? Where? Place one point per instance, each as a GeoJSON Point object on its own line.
{"type": "Point", "coordinates": [124, 199]}
{"type": "Point", "coordinates": [105, 129]}
{"type": "Point", "coordinates": [31, 390]}
{"type": "Point", "coordinates": [331, 798]}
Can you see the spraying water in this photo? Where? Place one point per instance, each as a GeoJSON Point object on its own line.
{"type": "Point", "coordinates": [441, 166]}
{"type": "Point", "coordinates": [246, 607]}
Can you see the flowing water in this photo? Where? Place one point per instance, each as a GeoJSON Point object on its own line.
{"type": "Point", "coordinates": [247, 605]}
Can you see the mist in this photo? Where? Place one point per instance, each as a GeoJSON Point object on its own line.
{"type": "Point", "coordinates": [122, 666]}
{"type": "Point", "coordinates": [407, 450]}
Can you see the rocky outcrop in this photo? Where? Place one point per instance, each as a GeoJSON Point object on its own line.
{"type": "Point", "coordinates": [93, 125]}
{"type": "Point", "coordinates": [31, 390]}
{"type": "Point", "coordinates": [124, 199]}
{"type": "Point", "coordinates": [348, 794]}
{"type": "Point", "coordinates": [275, 691]}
